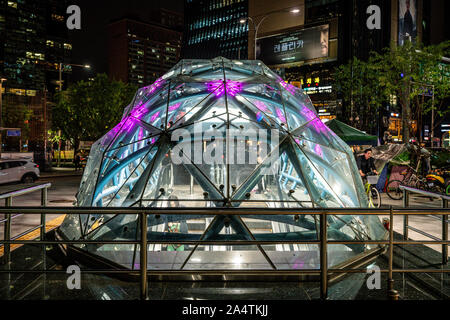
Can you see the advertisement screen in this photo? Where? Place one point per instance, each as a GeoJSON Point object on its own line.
{"type": "Point", "coordinates": [294, 46]}
{"type": "Point", "coordinates": [407, 21]}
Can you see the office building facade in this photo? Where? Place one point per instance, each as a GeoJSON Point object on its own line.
{"type": "Point", "coordinates": [34, 39]}
{"type": "Point", "coordinates": [213, 28]}
{"type": "Point", "coordinates": [140, 52]}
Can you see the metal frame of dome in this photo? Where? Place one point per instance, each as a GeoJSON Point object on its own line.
{"type": "Point", "coordinates": [133, 165]}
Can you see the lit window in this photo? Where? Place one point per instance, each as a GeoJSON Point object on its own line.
{"type": "Point", "coordinates": [57, 17]}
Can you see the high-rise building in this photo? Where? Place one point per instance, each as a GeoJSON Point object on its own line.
{"type": "Point", "coordinates": [33, 41]}
{"type": "Point", "coordinates": [171, 19]}
{"type": "Point", "coordinates": [140, 52]}
{"type": "Point", "coordinates": [213, 28]}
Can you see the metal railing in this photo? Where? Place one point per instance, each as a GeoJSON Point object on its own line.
{"type": "Point", "coordinates": [444, 219]}
{"type": "Point", "coordinates": [322, 240]}
{"type": "Point", "coordinates": [8, 217]}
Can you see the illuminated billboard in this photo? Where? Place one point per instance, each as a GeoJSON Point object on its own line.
{"type": "Point", "coordinates": [305, 44]}
{"type": "Point", "coordinates": [407, 21]}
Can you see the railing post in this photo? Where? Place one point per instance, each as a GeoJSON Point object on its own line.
{"type": "Point", "coordinates": [444, 232]}
{"type": "Point", "coordinates": [392, 294]}
{"type": "Point", "coordinates": [143, 256]}
{"type": "Point", "coordinates": [323, 256]}
{"type": "Point", "coordinates": [7, 233]}
{"type": "Point", "coordinates": [405, 217]}
{"type": "Point", "coordinates": [405, 198]}
{"type": "Point", "coordinates": [44, 200]}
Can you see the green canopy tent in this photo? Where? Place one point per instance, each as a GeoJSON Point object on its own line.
{"type": "Point", "coordinates": [351, 135]}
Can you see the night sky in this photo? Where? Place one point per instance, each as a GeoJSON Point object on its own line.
{"type": "Point", "coordinates": [89, 43]}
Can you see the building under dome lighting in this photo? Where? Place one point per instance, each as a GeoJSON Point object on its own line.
{"type": "Point", "coordinates": [221, 134]}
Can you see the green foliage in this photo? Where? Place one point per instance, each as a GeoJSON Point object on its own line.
{"type": "Point", "coordinates": [87, 110]}
{"type": "Point", "coordinates": [358, 81]}
{"type": "Point", "coordinates": [53, 136]}
{"type": "Point", "coordinates": [370, 83]}
{"type": "Point", "coordinates": [17, 117]}
{"type": "Point", "coordinates": [440, 159]}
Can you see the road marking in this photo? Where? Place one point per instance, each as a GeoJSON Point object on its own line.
{"type": "Point", "coordinates": [49, 226]}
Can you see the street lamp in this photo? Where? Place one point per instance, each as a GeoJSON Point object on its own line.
{"type": "Point", "coordinates": [293, 10]}
{"type": "Point", "coordinates": [86, 66]}
{"type": "Point", "coordinates": [1, 115]}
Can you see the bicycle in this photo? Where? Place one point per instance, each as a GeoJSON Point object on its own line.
{"type": "Point", "coordinates": [411, 178]}
{"type": "Point", "coordinates": [372, 193]}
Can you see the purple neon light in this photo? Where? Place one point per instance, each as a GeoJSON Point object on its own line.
{"type": "Point", "coordinates": [281, 116]}
{"type": "Point", "coordinates": [158, 83]}
{"type": "Point", "coordinates": [174, 107]}
{"type": "Point", "coordinates": [155, 116]}
{"type": "Point", "coordinates": [127, 124]}
{"type": "Point", "coordinates": [307, 113]}
{"type": "Point", "coordinates": [216, 86]}
{"type": "Point", "coordinates": [318, 150]}
{"type": "Point", "coordinates": [261, 105]}
{"type": "Point", "coordinates": [139, 112]}
{"type": "Point", "coordinates": [287, 86]}
{"type": "Point", "coordinates": [314, 120]}
{"type": "Point", "coordinates": [141, 134]}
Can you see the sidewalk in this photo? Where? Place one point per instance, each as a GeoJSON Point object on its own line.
{"type": "Point", "coordinates": [61, 172]}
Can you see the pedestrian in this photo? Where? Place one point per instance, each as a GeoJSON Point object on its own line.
{"type": "Point", "coordinates": [77, 161]}
{"type": "Point", "coordinates": [366, 164]}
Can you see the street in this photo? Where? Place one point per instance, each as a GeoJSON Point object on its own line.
{"type": "Point", "coordinates": [60, 194]}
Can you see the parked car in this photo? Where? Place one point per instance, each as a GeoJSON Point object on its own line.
{"type": "Point", "coordinates": [24, 171]}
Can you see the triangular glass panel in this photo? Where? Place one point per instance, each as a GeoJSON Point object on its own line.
{"type": "Point", "coordinates": [321, 193]}
{"type": "Point", "coordinates": [315, 130]}
{"type": "Point", "coordinates": [228, 258]}
{"type": "Point", "coordinates": [121, 169]}
{"type": "Point", "coordinates": [333, 166]}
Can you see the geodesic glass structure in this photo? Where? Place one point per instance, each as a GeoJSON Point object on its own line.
{"type": "Point", "coordinates": [220, 133]}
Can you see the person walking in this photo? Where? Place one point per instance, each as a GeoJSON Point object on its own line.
{"type": "Point", "coordinates": [77, 161]}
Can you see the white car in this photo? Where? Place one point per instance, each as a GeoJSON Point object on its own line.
{"type": "Point", "coordinates": [24, 171]}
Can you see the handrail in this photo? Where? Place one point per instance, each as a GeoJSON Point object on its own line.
{"type": "Point", "coordinates": [323, 242]}
{"type": "Point", "coordinates": [425, 193]}
{"type": "Point", "coordinates": [8, 197]}
{"type": "Point", "coordinates": [444, 219]}
{"type": "Point", "coordinates": [221, 211]}
{"type": "Point", "coordinates": [24, 191]}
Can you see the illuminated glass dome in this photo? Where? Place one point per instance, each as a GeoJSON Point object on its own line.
{"type": "Point", "coordinates": [221, 133]}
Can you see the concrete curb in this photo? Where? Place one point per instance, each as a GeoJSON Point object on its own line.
{"type": "Point", "coordinates": [60, 175]}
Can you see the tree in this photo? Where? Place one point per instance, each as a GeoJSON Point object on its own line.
{"type": "Point", "coordinates": [18, 117]}
{"type": "Point", "coordinates": [87, 110]}
{"type": "Point", "coordinates": [358, 84]}
{"type": "Point", "coordinates": [432, 75]}
{"type": "Point", "coordinates": [399, 71]}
